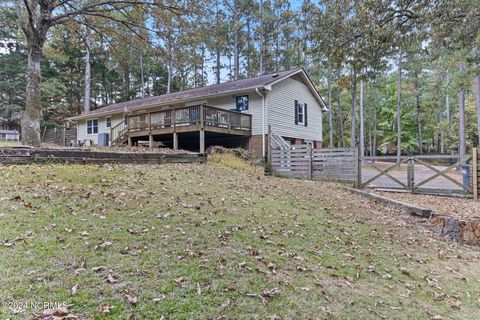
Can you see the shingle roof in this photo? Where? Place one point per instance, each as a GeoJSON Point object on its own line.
{"type": "Point", "coordinates": [196, 93]}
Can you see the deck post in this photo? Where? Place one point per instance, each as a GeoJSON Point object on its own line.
{"type": "Point", "coordinates": [130, 142]}
{"type": "Point", "coordinates": [475, 173]}
{"type": "Point", "coordinates": [202, 130]}
{"type": "Point", "coordinates": [150, 141]}
{"type": "Point", "coordinates": [175, 140]}
{"type": "Point", "coordinates": [202, 141]}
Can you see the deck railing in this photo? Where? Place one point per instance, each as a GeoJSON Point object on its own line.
{"type": "Point", "coordinates": [190, 116]}
{"type": "Point", "coordinates": [117, 132]}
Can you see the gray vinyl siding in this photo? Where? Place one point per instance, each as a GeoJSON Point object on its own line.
{"type": "Point", "coordinates": [228, 102]}
{"type": "Point", "coordinates": [82, 127]}
{"type": "Point", "coordinates": [281, 110]}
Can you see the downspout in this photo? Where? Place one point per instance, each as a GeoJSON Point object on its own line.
{"type": "Point", "coordinates": [263, 120]}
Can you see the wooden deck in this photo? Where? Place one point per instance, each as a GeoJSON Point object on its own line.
{"type": "Point", "coordinates": [199, 118]}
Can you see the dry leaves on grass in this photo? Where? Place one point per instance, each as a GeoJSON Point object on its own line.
{"type": "Point", "coordinates": [105, 308]}
{"type": "Point", "coordinates": [56, 314]}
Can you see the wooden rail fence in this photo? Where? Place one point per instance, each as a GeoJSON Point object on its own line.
{"type": "Point", "coordinates": [424, 174]}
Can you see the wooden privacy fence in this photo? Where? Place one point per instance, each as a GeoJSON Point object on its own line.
{"type": "Point", "coordinates": [304, 161]}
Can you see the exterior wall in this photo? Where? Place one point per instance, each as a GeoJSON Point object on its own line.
{"type": "Point", "coordinates": [281, 110]}
{"type": "Point", "coordinates": [228, 102]}
{"type": "Point", "coordinates": [82, 127]}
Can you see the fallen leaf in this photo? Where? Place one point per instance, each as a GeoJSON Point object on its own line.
{"type": "Point", "coordinates": [105, 308]}
{"type": "Point", "coordinates": [225, 304]}
{"type": "Point", "coordinates": [133, 299]}
{"type": "Point", "coordinates": [160, 298]}
{"type": "Point", "coordinates": [268, 293]}
{"type": "Point", "coordinates": [99, 268]}
{"type": "Point", "coordinates": [103, 245]}
{"type": "Point", "coordinates": [112, 278]}
{"type": "Point", "coordinates": [73, 291]}
{"type": "Point", "coordinates": [9, 244]}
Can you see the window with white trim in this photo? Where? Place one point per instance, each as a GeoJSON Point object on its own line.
{"type": "Point", "coordinates": [301, 113]}
{"type": "Point", "coordinates": [92, 126]}
{"type": "Point", "coordinates": [108, 122]}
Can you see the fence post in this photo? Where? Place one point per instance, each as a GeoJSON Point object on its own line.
{"type": "Point", "coordinates": [358, 168]}
{"type": "Point", "coordinates": [269, 150]}
{"type": "Point", "coordinates": [310, 161]}
{"type": "Point", "coordinates": [475, 173]}
{"type": "Point", "coordinates": [411, 173]}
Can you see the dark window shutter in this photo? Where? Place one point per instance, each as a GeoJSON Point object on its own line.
{"type": "Point", "coordinates": [296, 112]}
{"type": "Point", "coordinates": [305, 114]}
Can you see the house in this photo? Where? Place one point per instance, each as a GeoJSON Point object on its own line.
{"type": "Point", "coordinates": [232, 114]}
{"type": "Point", "coordinates": [9, 135]}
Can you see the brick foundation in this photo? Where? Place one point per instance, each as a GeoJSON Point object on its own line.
{"type": "Point", "coordinates": [255, 145]}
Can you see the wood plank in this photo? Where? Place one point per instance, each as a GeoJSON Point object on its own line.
{"type": "Point", "coordinates": [416, 210]}
{"type": "Point", "coordinates": [442, 173]}
{"type": "Point", "coordinates": [384, 172]}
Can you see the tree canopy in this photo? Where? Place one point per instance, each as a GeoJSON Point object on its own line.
{"type": "Point", "coordinates": [142, 48]}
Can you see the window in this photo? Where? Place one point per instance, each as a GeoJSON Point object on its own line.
{"type": "Point", "coordinates": [300, 113]}
{"type": "Point", "coordinates": [108, 122]}
{"type": "Point", "coordinates": [92, 126]}
{"type": "Point", "coordinates": [242, 103]}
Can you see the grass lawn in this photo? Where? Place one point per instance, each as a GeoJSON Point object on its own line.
{"type": "Point", "coordinates": [10, 143]}
{"type": "Point", "coordinates": [208, 241]}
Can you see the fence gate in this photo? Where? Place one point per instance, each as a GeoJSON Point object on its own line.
{"type": "Point", "coordinates": [304, 161]}
{"type": "Point", "coordinates": [432, 174]}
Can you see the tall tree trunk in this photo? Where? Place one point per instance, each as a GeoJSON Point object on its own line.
{"type": "Point", "coordinates": [169, 77]}
{"type": "Point", "coordinates": [126, 81]}
{"type": "Point", "coordinates": [330, 113]}
{"type": "Point", "coordinates": [477, 91]}
{"type": "Point", "coordinates": [354, 108]}
{"type": "Point", "coordinates": [362, 124]}
{"type": "Point", "coordinates": [86, 98]}
{"type": "Point", "coordinates": [340, 116]}
{"type": "Point", "coordinates": [202, 67]}
{"type": "Point", "coordinates": [236, 58]}
{"type": "Point", "coordinates": [399, 102]}
{"type": "Point", "coordinates": [462, 149]}
{"type": "Point", "coordinates": [374, 151]}
{"type": "Point", "coordinates": [419, 124]}
{"type": "Point", "coordinates": [370, 141]}
{"type": "Point", "coordinates": [217, 65]}
{"type": "Point", "coordinates": [261, 40]}
{"type": "Point", "coordinates": [33, 109]}
{"type": "Point", "coordinates": [447, 103]}
{"type": "Point", "coordinates": [142, 80]}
